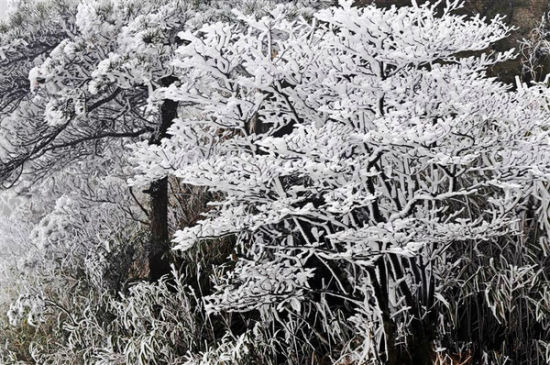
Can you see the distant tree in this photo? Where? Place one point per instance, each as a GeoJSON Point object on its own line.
{"type": "Point", "coordinates": [82, 82]}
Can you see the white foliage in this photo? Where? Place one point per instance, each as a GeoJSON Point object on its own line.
{"type": "Point", "coordinates": [358, 141]}
{"type": "Point", "coordinates": [372, 176]}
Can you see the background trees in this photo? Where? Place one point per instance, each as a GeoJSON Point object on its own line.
{"type": "Point", "coordinates": [375, 197]}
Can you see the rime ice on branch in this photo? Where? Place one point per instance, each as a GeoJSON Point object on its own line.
{"type": "Point", "coordinates": [351, 151]}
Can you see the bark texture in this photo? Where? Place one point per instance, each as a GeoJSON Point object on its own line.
{"type": "Point", "coordinates": [159, 249]}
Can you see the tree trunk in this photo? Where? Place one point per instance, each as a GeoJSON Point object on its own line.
{"type": "Point", "coordinates": [159, 249]}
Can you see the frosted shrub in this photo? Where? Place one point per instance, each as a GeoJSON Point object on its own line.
{"type": "Point", "coordinates": [366, 166]}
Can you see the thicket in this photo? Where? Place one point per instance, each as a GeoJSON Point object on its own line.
{"type": "Point", "coordinates": [270, 182]}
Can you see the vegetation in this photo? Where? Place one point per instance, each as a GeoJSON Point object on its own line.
{"type": "Point", "coordinates": [271, 182]}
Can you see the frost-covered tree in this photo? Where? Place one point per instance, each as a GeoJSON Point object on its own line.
{"type": "Point", "coordinates": [31, 31]}
{"type": "Point", "coordinates": [376, 198]}
{"type": "Point", "coordinates": [89, 90]}
{"type": "Point", "coordinates": [92, 88]}
{"type": "Point", "coordinates": [365, 161]}
{"type": "Point", "coordinates": [64, 147]}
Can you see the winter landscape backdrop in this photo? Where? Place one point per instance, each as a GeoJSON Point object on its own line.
{"type": "Point", "coordinates": [275, 182]}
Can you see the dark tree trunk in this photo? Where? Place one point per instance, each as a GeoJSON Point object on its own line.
{"type": "Point", "coordinates": [159, 249]}
{"type": "Point", "coordinates": [159, 262]}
